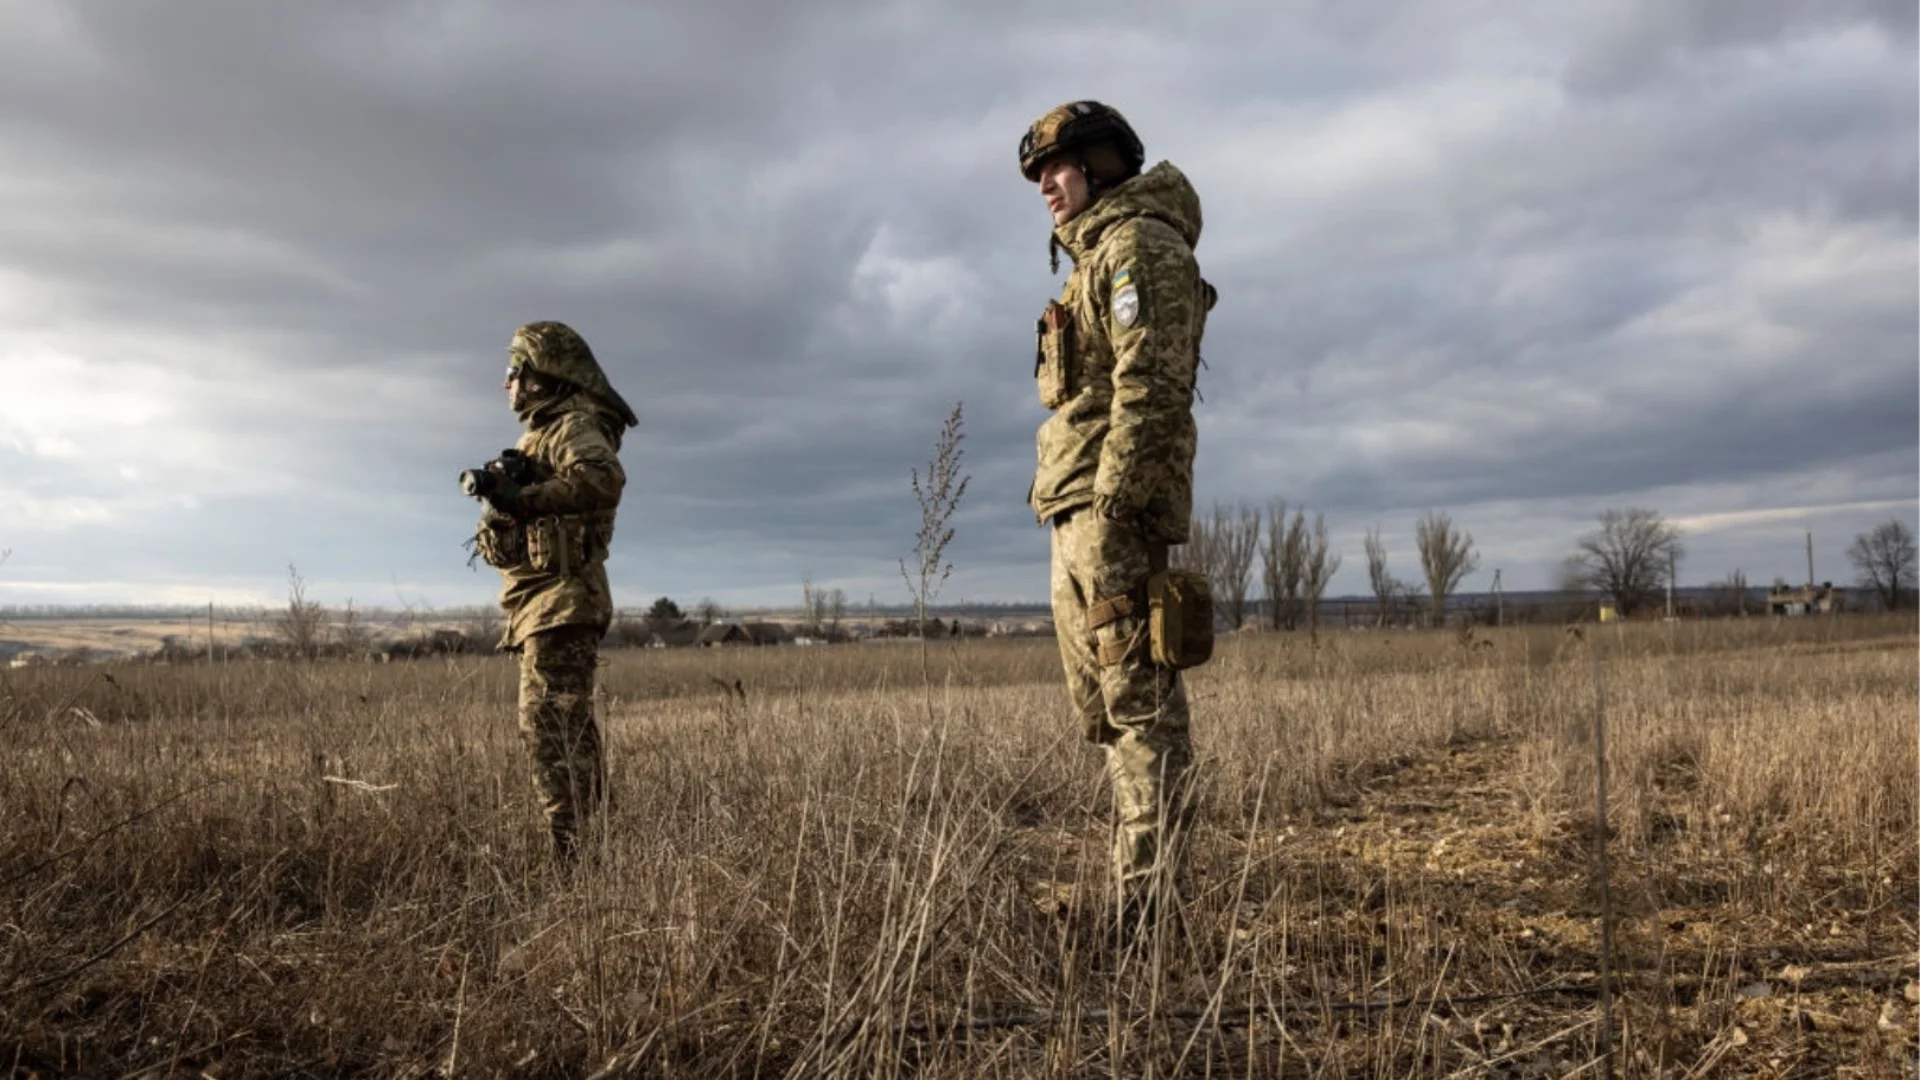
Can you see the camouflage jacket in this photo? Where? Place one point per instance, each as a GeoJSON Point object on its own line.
{"type": "Point", "coordinates": [575, 444]}
{"type": "Point", "coordinates": [1117, 359]}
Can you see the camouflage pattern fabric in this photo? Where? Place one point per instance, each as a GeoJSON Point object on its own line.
{"type": "Point", "coordinates": [573, 439]}
{"type": "Point", "coordinates": [1131, 706]}
{"type": "Point", "coordinates": [556, 722]}
{"type": "Point", "coordinates": [558, 351]}
{"type": "Point", "coordinates": [1118, 356]}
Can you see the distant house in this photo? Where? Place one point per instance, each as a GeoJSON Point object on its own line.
{"type": "Point", "coordinates": [766, 633]}
{"type": "Point", "coordinates": [27, 659]}
{"type": "Point", "coordinates": [724, 634]}
{"type": "Point", "coordinates": [1825, 599]}
{"type": "Point", "coordinates": [676, 636]}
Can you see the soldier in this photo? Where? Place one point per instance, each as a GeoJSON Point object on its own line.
{"type": "Point", "coordinates": [1116, 363]}
{"type": "Point", "coordinates": [546, 526]}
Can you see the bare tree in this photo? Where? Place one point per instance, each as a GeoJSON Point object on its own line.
{"type": "Point", "coordinates": [1283, 564]}
{"type": "Point", "coordinates": [813, 604]}
{"type": "Point", "coordinates": [353, 636]}
{"type": "Point", "coordinates": [1728, 597]}
{"type": "Point", "coordinates": [1318, 565]}
{"type": "Point", "coordinates": [1884, 557]}
{"type": "Point", "coordinates": [707, 612]}
{"type": "Point", "coordinates": [1626, 559]}
{"type": "Point", "coordinates": [303, 625]}
{"type": "Point", "coordinates": [1236, 535]}
{"type": "Point", "coordinates": [1201, 553]}
{"type": "Point", "coordinates": [1388, 591]}
{"type": "Point", "coordinates": [1446, 556]}
{"type": "Point", "coordinates": [835, 610]}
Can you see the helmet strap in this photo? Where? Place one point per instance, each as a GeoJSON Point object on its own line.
{"type": "Point", "coordinates": [1094, 186]}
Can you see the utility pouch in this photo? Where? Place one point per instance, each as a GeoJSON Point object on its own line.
{"type": "Point", "coordinates": [553, 546]}
{"type": "Point", "coordinates": [501, 548]}
{"type": "Point", "coordinates": [1053, 355]}
{"type": "Point", "coordinates": [1180, 618]}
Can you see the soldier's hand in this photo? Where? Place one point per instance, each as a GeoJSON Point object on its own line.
{"type": "Point", "coordinates": [502, 493]}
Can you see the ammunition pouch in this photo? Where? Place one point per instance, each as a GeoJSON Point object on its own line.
{"type": "Point", "coordinates": [501, 548]}
{"type": "Point", "coordinates": [1053, 356]}
{"type": "Point", "coordinates": [566, 545]}
{"type": "Point", "coordinates": [1179, 623]}
{"type": "Point", "coordinates": [1180, 618]}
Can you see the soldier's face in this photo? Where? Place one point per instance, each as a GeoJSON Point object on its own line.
{"type": "Point", "coordinates": [521, 387]}
{"type": "Point", "coordinates": [1064, 187]}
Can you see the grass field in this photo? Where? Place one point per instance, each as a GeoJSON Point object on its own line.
{"type": "Point", "coordinates": [844, 868]}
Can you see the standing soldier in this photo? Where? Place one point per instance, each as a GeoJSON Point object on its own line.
{"type": "Point", "coordinates": [546, 526]}
{"type": "Point", "coordinates": [1116, 364]}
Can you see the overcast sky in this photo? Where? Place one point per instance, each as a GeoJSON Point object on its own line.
{"type": "Point", "coordinates": [260, 261]}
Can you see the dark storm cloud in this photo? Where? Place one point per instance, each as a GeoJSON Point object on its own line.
{"type": "Point", "coordinates": [1518, 264]}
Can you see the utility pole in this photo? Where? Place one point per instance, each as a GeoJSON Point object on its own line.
{"type": "Point", "coordinates": [1499, 607]}
{"type": "Point", "coordinates": [1671, 569]}
{"type": "Point", "coordinates": [1809, 567]}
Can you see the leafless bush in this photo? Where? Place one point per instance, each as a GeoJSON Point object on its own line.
{"type": "Point", "coordinates": [302, 626]}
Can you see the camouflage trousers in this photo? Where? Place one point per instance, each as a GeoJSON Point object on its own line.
{"type": "Point", "coordinates": [556, 723]}
{"type": "Point", "coordinates": [1134, 708]}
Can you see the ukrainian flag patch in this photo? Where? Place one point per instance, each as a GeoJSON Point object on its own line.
{"type": "Point", "coordinates": [1124, 277]}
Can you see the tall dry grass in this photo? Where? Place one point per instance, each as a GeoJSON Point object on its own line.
{"type": "Point", "coordinates": [280, 869]}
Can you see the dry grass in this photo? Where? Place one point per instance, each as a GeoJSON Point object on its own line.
{"type": "Point", "coordinates": [282, 869]}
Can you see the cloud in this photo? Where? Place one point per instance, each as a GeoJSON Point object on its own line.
{"type": "Point", "coordinates": [1519, 265]}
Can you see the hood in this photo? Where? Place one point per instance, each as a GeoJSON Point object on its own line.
{"type": "Point", "coordinates": [552, 348]}
{"type": "Point", "coordinates": [1161, 192]}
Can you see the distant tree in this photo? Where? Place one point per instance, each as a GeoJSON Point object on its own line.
{"type": "Point", "coordinates": [353, 637]}
{"type": "Point", "coordinates": [1728, 596]}
{"type": "Point", "coordinates": [1378, 579]}
{"type": "Point", "coordinates": [1884, 557]}
{"type": "Point", "coordinates": [1389, 592]}
{"type": "Point", "coordinates": [483, 626]}
{"type": "Point", "coordinates": [1236, 536]}
{"type": "Point", "coordinates": [707, 612]}
{"type": "Point", "coordinates": [1283, 564]}
{"type": "Point", "coordinates": [1447, 556]}
{"type": "Point", "coordinates": [1626, 559]}
{"type": "Point", "coordinates": [821, 610]}
{"type": "Point", "coordinates": [1318, 565]}
{"type": "Point", "coordinates": [664, 613]}
{"type": "Point", "coordinates": [835, 611]}
{"type": "Point", "coordinates": [1201, 553]}
{"type": "Point", "coordinates": [302, 626]}
{"type": "Point", "coordinates": [811, 603]}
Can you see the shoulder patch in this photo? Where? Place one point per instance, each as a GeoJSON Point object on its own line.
{"type": "Point", "coordinates": [1126, 298]}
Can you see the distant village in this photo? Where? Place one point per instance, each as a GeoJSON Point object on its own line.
{"type": "Point", "coordinates": [181, 636]}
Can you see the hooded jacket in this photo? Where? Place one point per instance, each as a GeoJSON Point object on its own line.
{"type": "Point", "coordinates": [1117, 359]}
{"type": "Point", "coordinates": [574, 442]}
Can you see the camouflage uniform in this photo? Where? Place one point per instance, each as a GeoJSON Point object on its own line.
{"type": "Point", "coordinates": [1116, 364]}
{"type": "Point", "coordinates": [550, 539]}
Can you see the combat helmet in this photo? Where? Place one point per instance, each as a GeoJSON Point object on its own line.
{"type": "Point", "coordinates": [1073, 128]}
{"type": "Point", "coordinates": [555, 350]}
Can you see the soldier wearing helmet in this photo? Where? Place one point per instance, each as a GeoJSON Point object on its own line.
{"type": "Point", "coordinates": [1116, 365]}
{"type": "Point", "coordinates": [546, 525]}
